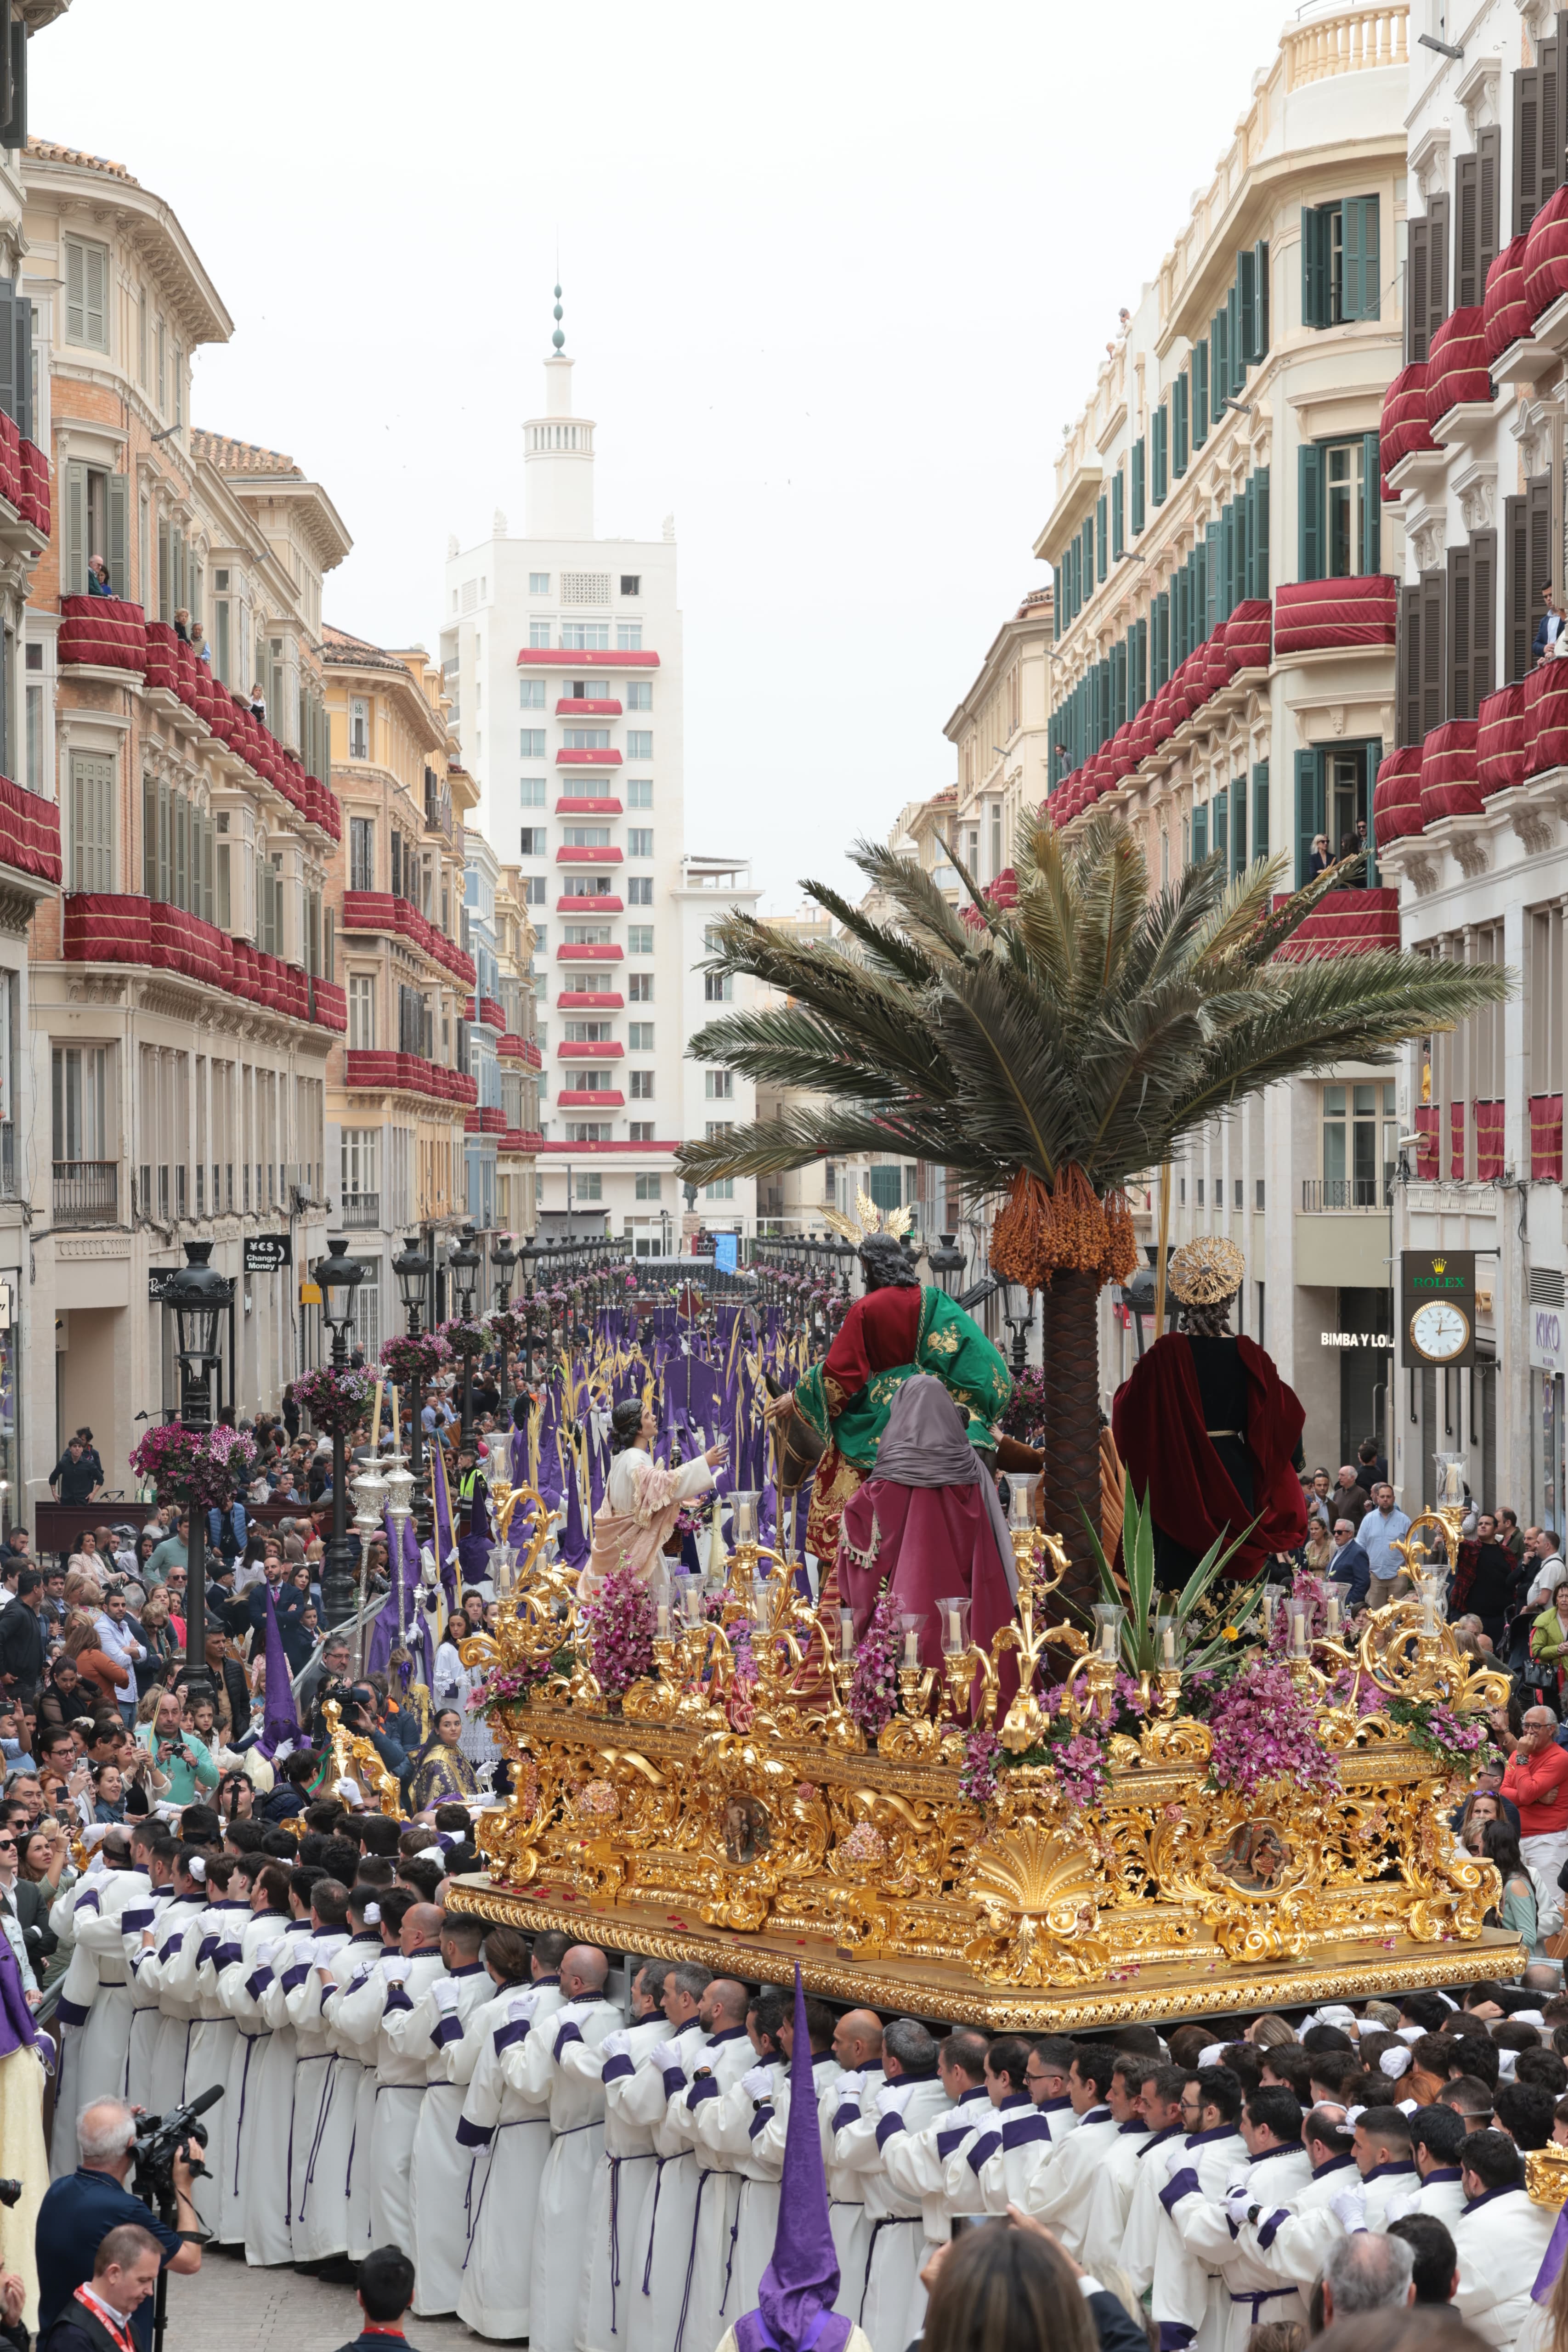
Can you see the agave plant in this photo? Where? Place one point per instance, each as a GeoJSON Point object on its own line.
{"type": "Point", "coordinates": [1144, 1607]}
{"type": "Point", "coordinates": [1049, 1052]}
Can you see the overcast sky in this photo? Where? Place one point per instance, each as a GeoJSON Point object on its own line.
{"type": "Point", "coordinates": [835, 279]}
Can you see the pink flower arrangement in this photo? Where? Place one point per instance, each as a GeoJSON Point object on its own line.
{"type": "Point", "coordinates": [411, 1363]}
{"type": "Point", "coordinates": [619, 1625]}
{"type": "Point", "coordinates": [336, 1401]}
{"type": "Point", "coordinates": [1262, 1729]}
{"type": "Point", "coordinates": [979, 1777]}
{"type": "Point", "coordinates": [873, 1697]}
{"type": "Point", "coordinates": [206, 1465]}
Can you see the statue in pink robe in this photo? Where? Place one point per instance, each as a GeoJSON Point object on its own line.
{"type": "Point", "coordinates": [642, 1498]}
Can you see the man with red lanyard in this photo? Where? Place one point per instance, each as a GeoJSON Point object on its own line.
{"type": "Point", "coordinates": [98, 2316]}
{"type": "Point", "coordinates": [385, 2285]}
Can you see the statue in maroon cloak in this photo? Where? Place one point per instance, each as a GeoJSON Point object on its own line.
{"type": "Point", "coordinates": [1207, 1429]}
{"type": "Point", "coordinates": [927, 1523]}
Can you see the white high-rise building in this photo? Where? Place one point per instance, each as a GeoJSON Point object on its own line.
{"type": "Point", "coordinates": [563, 654]}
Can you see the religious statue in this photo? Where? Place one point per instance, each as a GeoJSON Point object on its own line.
{"type": "Point", "coordinates": [642, 1498]}
{"type": "Point", "coordinates": [927, 1524]}
{"type": "Point", "coordinates": [900, 1327]}
{"type": "Point", "coordinates": [1209, 1431]}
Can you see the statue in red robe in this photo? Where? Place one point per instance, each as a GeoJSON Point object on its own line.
{"type": "Point", "coordinates": [1208, 1430]}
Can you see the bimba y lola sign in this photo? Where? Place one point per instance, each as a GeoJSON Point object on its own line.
{"type": "Point", "coordinates": [1437, 1308]}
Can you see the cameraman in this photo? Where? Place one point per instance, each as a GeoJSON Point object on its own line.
{"type": "Point", "coordinates": [78, 2211]}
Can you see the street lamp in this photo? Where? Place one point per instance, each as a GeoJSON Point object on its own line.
{"type": "Point", "coordinates": [1017, 1313]}
{"type": "Point", "coordinates": [504, 1259]}
{"type": "Point", "coordinates": [201, 1298]}
{"type": "Point", "coordinates": [412, 1267]}
{"type": "Point", "coordinates": [947, 1264]}
{"type": "Point", "coordinates": [463, 1262]}
{"type": "Point", "coordinates": [338, 1277]}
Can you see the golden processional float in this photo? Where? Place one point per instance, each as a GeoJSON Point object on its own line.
{"type": "Point", "coordinates": [1156, 1816]}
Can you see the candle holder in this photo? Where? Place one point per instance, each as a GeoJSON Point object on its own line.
{"type": "Point", "coordinates": [1107, 1617]}
{"type": "Point", "coordinates": [953, 1618]}
{"type": "Point", "coordinates": [910, 1621]}
{"type": "Point", "coordinates": [1336, 1597]}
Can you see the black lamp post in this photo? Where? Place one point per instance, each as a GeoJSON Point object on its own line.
{"type": "Point", "coordinates": [339, 1276]}
{"type": "Point", "coordinates": [947, 1264]}
{"type": "Point", "coordinates": [412, 1267]}
{"type": "Point", "coordinates": [504, 1259]}
{"type": "Point", "coordinates": [463, 1262]}
{"type": "Point", "coordinates": [201, 1298]}
{"type": "Point", "coordinates": [1017, 1312]}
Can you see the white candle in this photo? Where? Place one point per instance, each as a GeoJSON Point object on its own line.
{"type": "Point", "coordinates": [953, 1623]}
{"type": "Point", "coordinates": [1169, 1647]}
{"type": "Point", "coordinates": [664, 1620]}
{"type": "Point", "coordinates": [846, 1633]}
{"type": "Point", "coordinates": [1268, 1612]}
{"type": "Point", "coordinates": [1107, 1639]}
{"type": "Point", "coordinates": [911, 1652]}
{"type": "Point", "coordinates": [1333, 1612]}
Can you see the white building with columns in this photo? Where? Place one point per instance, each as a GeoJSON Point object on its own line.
{"type": "Point", "coordinates": [563, 652]}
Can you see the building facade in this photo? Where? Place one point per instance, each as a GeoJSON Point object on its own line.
{"type": "Point", "coordinates": [400, 1081]}
{"type": "Point", "coordinates": [562, 652]}
{"type": "Point", "coordinates": [1471, 804]}
{"type": "Point", "coordinates": [182, 1006]}
{"type": "Point", "coordinates": [1225, 587]}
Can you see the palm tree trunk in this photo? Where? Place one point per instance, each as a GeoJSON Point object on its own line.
{"type": "Point", "coordinates": [1071, 1368]}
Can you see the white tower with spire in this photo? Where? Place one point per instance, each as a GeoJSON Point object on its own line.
{"type": "Point", "coordinates": [559, 465]}
{"type": "Point", "coordinates": [561, 652]}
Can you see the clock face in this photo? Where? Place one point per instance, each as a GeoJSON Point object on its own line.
{"type": "Point", "coordinates": [1440, 1331]}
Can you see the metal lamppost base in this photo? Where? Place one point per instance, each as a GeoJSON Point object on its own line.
{"type": "Point", "coordinates": [340, 1566]}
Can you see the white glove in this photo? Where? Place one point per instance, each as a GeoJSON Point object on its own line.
{"type": "Point", "coordinates": [667, 2055]}
{"type": "Point", "coordinates": [1349, 2208]}
{"type": "Point", "coordinates": [758, 2082]}
{"type": "Point", "coordinates": [267, 1950]}
{"type": "Point", "coordinates": [444, 1993]}
{"type": "Point", "coordinates": [394, 1968]}
{"type": "Point", "coordinates": [617, 2042]}
{"type": "Point", "coordinates": [521, 2005]}
{"type": "Point", "coordinates": [1397, 2207]}
{"type": "Point", "coordinates": [894, 2097]}
{"type": "Point", "coordinates": [850, 2085]}
{"type": "Point", "coordinates": [1238, 2202]}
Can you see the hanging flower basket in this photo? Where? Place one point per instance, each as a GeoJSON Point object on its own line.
{"type": "Point", "coordinates": [504, 1328]}
{"type": "Point", "coordinates": [465, 1338]}
{"type": "Point", "coordinates": [205, 1464]}
{"type": "Point", "coordinates": [414, 1363]}
{"type": "Point", "coordinates": [337, 1401]}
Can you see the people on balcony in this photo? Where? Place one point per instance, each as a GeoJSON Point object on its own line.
{"type": "Point", "coordinates": [1550, 640]}
{"type": "Point", "coordinates": [98, 577]}
{"type": "Point", "coordinates": [1319, 861]}
{"type": "Point", "coordinates": [200, 645]}
{"type": "Point", "coordinates": [259, 705]}
{"type": "Point", "coordinates": [182, 626]}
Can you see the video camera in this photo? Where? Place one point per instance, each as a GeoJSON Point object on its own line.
{"type": "Point", "coordinates": [159, 2140]}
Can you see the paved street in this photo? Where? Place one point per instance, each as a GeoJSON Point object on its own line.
{"type": "Point", "coordinates": [247, 2310]}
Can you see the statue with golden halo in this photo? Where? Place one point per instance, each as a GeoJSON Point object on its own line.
{"type": "Point", "coordinates": [1208, 1430]}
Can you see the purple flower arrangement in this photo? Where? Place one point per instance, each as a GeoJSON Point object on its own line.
{"type": "Point", "coordinates": [337, 1401]}
{"type": "Point", "coordinates": [1262, 1729]}
{"type": "Point", "coordinates": [1460, 1744]}
{"type": "Point", "coordinates": [412, 1363]}
{"type": "Point", "coordinates": [979, 1775]}
{"type": "Point", "coordinates": [873, 1697]}
{"type": "Point", "coordinates": [619, 1625]}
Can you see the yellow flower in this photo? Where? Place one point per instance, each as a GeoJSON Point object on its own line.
{"type": "Point", "coordinates": [1231, 1634]}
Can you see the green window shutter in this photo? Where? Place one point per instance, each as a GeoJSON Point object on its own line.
{"type": "Point", "coordinates": [1100, 534]}
{"type": "Point", "coordinates": [1260, 809]}
{"type": "Point", "coordinates": [1118, 514]}
{"type": "Point", "coordinates": [1261, 534]}
{"type": "Point", "coordinates": [22, 327]}
{"type": "Point", "coordinates": [1237, 802]}
{"type": "Point", "coordinates": [1180, 391]}
{"type": "Point", "coordinates": [1086, 543]}
{"type": "Point", "coordinates": [1159, 430]}
{"type": "Point", "coordinates": [1317, 230]}
{"type": "Point", "coordinates": [1247, 305]}
{"type": "Point", "coordinates": [1200, 376]}
{"type": "Point", "coordinates": [1228, 599]}
{"type": "Point", "coordinates": [76, 547]}
{"type": "Point", "coordinates": [1219, 364]}
{"type": "Point", "coordinates": [7, 349]}
{"type": "Point", "coordinates": [1137, 486]}
{"type": "Point", "coordinates": [1141, 659]}
{"type": "Point", "coordinates": [1361, 266]}
{"type": "Point", "coordinates": [1310, 520]}
{"type": "Point", "coordinates": [1309, 811]}
{"type": "Point", "coordinates": [1260, 274]}
{"type": "Point", "coordinates": [117, 551]}
{"type": "Point", "coordinates": [1201, 560]}
{"type": "Point", "coordinates": [1219, 804]}
{"type": "Point", "coordinates": [1159, 659]}
{"type": "Point", "coordinates": [1236, 360]}
{"type": "Point", "coordinates": [76, 291]}
{"type": "Point", "coordinates": [1213, 579]}
{"type": "Point", "coordinates": [1371, 504]}
{"type": "Point", "coordinates": [1200, 835]}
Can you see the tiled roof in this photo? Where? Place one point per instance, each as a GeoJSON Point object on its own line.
{"type": "Point", "coordinates": [232, 456]}
{"type": "Point", "coordinates": [49, 150]}
{"type": "Point", "coordinates": [356, 653]}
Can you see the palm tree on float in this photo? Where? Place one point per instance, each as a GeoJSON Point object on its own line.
{"type": "Point", "coordinates": [1049, 1052]}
